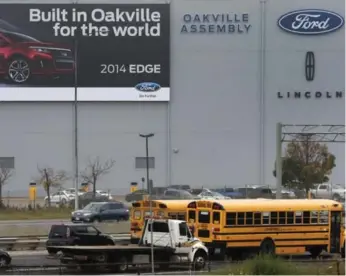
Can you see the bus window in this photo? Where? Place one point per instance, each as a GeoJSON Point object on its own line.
{"type": "Point", "coordinates": [257, 218]}
{"type": "Point", "coordinates": [231, 218]}
{"type": "Point", "coordinates": [181, 216]}
{"type": "Point", "coordinates": [306, 217]}
{"type": "Point", "coordinates": [273, 218]}
{"type": "Point", "coordinates": [282, 217]}
{"type": "Point", "coordinates": [323, 217]}
{"type": "Point", "coordinates": [172, 215]}
{"type": "Point", "coordinates": [192, 216]}
{"type": "Point", "coordinates": [290, 217]}
{"type": "Point", "coordinates": [249, 218]}
{"type": "Point", "coordinates": [241, 218]}
{"type": "Point", "coordinates": [147, 214]}
{"type": "Point", "coordinates": [160, 213]}
{"type": "Point", "coordinates": [314, 217]}
{"type": "Point", "coordinates": [216, 217]}
{"type": "Point", "coordinates": [137, 215]}
{"type": "Point", "coordinates": [203, 217]}
{"type": "Point", "coordinates": [265, 217]}
{"type": "Point", "coordinates": [298, 217]}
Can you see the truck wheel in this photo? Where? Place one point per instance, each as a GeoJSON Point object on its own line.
{"type": "Point", "coordinates": [200, 260]}
{"type": "Point", "coordinates": [122, 265]}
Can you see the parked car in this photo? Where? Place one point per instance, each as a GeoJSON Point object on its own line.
{"type": "Point", "coordinates": [229, 192]}
{"type": "Point", "coordinates": [101, 211]}
{"type": "Point", "coordinates": [285, 194]}
{"type": "Point", "coordinates": [25, 56]}
{"type": "Point", "coordinates": [104, 193]}
{"type": "Point", "coordinates": [180, 187]}
{"type": "Point", "coordinates": [210, 195]}
{"type": "Point", "coordinates": [73, 191]}
{"type": "Point", "coordinates": [329, 191]}
{"type": "Point", "coordinates": [76, 234]}
{"type": "Point", "coordinates": [136, 195]}
{"type": "Point", "coordinates": [5, 259]}
{"type": "Point", "coordinates": [256, 192]}
{"type": "Point", "coordinates": [88, 197]}
{"type": "Point", "coordinates": [61, 197]}
{"type": "Point", "coordinates": [178, 194]}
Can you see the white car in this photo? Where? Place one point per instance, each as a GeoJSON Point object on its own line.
{"type": "Point", "coordinates": [62, 197]}
{"type": "Point", "coordinates": [207, 194]}
{"type": "Point", "coordinates": [103, 193]}
{"type": "Point", "coordinates": [72, 191]}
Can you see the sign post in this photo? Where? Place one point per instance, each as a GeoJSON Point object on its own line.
{"type": "Point", "coordinates": [32, 194]}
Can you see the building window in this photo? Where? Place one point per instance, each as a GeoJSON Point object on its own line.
{"type": "Point", "coordinates": [141, 163]}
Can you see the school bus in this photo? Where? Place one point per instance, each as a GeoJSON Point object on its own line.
{"type": "Point", "coordinates": [239, 227]}
{"type": "Point", "coordinates": [173, 209]}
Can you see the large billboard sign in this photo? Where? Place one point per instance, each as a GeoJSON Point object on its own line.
{"type": "Point", "coordinates": [105, 52]}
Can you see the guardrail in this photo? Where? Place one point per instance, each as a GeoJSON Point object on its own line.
{"type": "Point", "coordinates": [39, 243]}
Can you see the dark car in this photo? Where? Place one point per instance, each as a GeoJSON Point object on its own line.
{"type": "Point", "coordinates": [76, 234]}
{"type": "Point", "coordinates": [23, 56]}
{"type": "Point", "coordinates": [101, 211]}
{"type": "Point", "coordinates": [5, 259]}
{"type": "Point", "coordinates": [88, 197]}
{"type": "Point", "coordinates": [136, 195]}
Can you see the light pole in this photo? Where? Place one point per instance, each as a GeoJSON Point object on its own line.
{"type": "Point", "coordinates": [76, 201]}
{"type": "Point", "coordinates": [147, 136]}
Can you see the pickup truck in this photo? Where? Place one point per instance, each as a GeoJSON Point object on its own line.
{"type": "Point", "coordinates": [328, 191]}
{"type": "Point", "coordinates": [173, 243]}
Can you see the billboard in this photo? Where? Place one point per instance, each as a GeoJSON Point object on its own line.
{"type": "Point", "coordinates": [105, 52]}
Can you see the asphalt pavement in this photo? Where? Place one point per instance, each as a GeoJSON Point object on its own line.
{"type": "Point", "coordinates": [33, 222]}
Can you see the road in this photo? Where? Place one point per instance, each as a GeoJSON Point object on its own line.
{"type": "Point", "coordinates": [33, 222]}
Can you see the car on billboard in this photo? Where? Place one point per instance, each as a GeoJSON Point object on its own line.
{"type": "Point", "coordinates": [22, 57]}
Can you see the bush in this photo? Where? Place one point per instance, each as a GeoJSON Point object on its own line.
{"type": "Point", "coordinates": [260, 265]}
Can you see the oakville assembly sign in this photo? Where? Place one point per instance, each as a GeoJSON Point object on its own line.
{"type": "Point", "coordinates": [104, 52]}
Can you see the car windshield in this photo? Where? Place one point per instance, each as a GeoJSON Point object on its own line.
{"type": "Point", "coordinates": [92, 207]}
{"type": "Point", "coordinates": [17, 37]}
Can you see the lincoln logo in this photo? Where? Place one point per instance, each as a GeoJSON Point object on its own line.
{"type": "Point", "coordinates": [309, 66]}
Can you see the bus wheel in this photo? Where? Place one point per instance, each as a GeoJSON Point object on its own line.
{"type": "Point", "coordinates": [267, 247]}
{"type": "Point", "coordinates": [315, 252]}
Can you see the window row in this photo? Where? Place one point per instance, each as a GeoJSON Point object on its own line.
{"type": "Point", "coordinates": [259, 218]}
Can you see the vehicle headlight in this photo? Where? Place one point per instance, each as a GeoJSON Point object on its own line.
{"type": "Point", "coordinates": [40, 50]}
{"type": "Point", "coordinates": [72, 213]}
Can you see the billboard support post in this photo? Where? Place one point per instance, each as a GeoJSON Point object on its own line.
{"type": "Point", "coordinates": [76, 202]}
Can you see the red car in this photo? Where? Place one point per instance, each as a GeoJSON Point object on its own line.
{"type": "Point", "coordinates": [22, 57]}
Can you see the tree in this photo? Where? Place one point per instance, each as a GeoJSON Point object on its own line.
{"type": "Point", "coordinates": [5, 175]}
{"type": "Point", "coordinates": [306, 162]}
{"type": "Point", "coordinates": [95, 169]}
{"type": "Point", "coordinates": [49, 178]}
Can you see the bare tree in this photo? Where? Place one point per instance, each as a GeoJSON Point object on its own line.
{"type": "Point", "coordinates": [95, 169]}
{"type": "Point", "coordinates": [5, 175]}
{"type": "Point", "coordinates": [49, 178]}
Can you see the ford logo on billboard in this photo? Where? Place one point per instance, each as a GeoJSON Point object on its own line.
{"type": "Point", "coordinates": [311, 22]}
{"type": "Point", "coordinates": [148, 87]}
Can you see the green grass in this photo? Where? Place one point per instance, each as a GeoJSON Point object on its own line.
{"type": "Point", "coordinates": [266, 265]}
{"type": "Point", "coordinates": [35, 214]}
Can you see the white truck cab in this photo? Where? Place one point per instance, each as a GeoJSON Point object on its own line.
{"type": "Point", "coordinates": [176, 235]}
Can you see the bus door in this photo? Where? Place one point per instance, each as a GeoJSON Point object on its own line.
{"type": "Point", "coordinates": [191, 217]}
{"type": "Point", "coordinates": [335, 227]}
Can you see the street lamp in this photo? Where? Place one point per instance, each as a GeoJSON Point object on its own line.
{"type": "Point", "coordinates": [147, 136]}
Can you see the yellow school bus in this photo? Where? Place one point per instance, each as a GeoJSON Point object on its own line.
{"type": "Point", "coordinates": [173, 209]}
{"type": "Point", "coordinates": [243, 226]}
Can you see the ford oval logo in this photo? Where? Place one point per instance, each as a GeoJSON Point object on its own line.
{"type": "Point", "coordinates": [148, 87]}
{"type": "Point", "coordinates": [311, 22]}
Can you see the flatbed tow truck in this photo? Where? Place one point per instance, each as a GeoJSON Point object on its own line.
{"type": "Point", "coordinates": [173, 244]}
